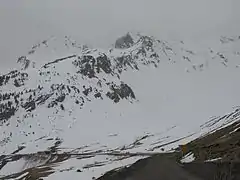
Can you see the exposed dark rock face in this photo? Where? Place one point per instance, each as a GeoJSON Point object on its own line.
{"type": "Point", "coordinates": [103, 63]}
{"type": "Point", "coordinates": [6, 112]}
{"type": "Point", "coordinates": [90, 66]}
{"type": "Point", "coordinates": [17, 78]}
{"type": "Point", "coordinates": [29, 106]}
{"type": "Point", "coordinates": [98, 95]}
{"type": "Point", "coordinates": [9, 103]}
{"type": "Point", "coordinates": [4, 80]}
{"type": "Point", "coordinates": [147, 43]}
{"type": "Point", "coordinates": [87, 90]}
{"type": "Point", "coordinates": [61, 98]}
{"type": "Point", "coordinates": [18, 82]}
{"type": "Point", "coordinates": [24, 62]}
{"type": "Point", "coordinates": [120, 92]}
{"type": "Point", "coordinates": [43, 98]}
{"type": "Point", "coordinates": [124, 42]}
{"type": "Point", "coordinates": [125, 61]}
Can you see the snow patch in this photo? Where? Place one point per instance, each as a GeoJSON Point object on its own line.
{"type": "Point", "coordinates": [212, 160]}
{"type": "Point", "coordinates": [188, 158]}
{"type": "Point", "coordinates": [13, 167]}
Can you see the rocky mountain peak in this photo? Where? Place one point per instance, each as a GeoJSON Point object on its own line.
{"type": "Point", "coordinates": [125, 41]}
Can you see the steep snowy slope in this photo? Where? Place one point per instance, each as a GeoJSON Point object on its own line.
{"type": "Point", "coordinates": [143, 95]}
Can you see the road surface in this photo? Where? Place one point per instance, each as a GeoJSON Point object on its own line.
{"type": "Point", "coordinates": [154, 168]}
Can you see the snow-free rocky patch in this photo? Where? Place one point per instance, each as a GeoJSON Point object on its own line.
{"type": "Point", "coordinates": [87, 110]}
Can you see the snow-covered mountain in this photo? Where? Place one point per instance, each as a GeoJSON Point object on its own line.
{"type": "Point", "coordinates": [142, 95]}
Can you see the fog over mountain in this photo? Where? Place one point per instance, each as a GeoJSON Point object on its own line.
{"type": "Point", "coordinates": [99, 23]}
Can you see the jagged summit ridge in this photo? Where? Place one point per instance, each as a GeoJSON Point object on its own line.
{"type": "Point", "coordinates": [130, 49]}
{"type": "Point", "coordinates": [124, 42]}
{"type": "Point", "coordinates": [49, 49]}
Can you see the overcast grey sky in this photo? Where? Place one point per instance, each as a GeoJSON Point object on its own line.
{"type": "Point", "coordinates": [99, 22]}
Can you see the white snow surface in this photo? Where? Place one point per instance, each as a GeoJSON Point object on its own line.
{"type": "Point", "coordinates": [212, 160]}
{"type": "Point", "coordinates": [188, 158]}
{"type": "Point", "coordinates": [190, 86]}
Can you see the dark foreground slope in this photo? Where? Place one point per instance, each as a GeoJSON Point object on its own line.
{"type": "Point", "coordinates": [222, 145]}
{"type": "Point", "coordinates": [154, 168]}
{"type": "Point", "coordinates": [161, 167]}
